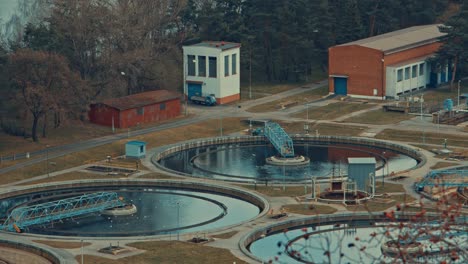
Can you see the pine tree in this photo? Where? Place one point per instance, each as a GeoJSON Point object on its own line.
{"type": "Point", "coordinates": [455, 43]}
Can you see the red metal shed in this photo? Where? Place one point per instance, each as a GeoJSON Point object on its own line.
{"type": "Point", "coordinates": [136, 109]}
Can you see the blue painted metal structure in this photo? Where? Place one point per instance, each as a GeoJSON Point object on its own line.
{"type": "Point", "coordinates": [23, 217]}
{"type": "Point", "coordinates": [340, 84]}
{"type": "Point", "coordinates": [280, 139]}
{"type": "Point", "coordinates": [432, 179]}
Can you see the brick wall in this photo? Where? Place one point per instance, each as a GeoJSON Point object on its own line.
{"type": "Point", "coordinates": [411, 53]}
{"type": "Point", "coordinates": [102, 114]}
{"type": "Point", "coordinates": [362, 65]}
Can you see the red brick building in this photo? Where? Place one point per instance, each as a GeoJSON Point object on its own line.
{"type": "Point", "coordinates": [387, 65]}
{"type": "Point", "coordinates": [141, 108]}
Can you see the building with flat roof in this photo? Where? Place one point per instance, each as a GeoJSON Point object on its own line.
{"type": "Point", "coordinates": [212, 68]}
{"type": "Point", "coordinates": [387, 65]}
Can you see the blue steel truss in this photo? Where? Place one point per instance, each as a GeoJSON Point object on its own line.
{"type": "Point", "coordinates": [23, 217]}
{"type": "Point", "coordinates": [434, 178]}
{"type": "Point", "coordinates": [280, 139]}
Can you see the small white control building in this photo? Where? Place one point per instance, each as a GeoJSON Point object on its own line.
{"type": "Point", "coordinates": [212, 68]}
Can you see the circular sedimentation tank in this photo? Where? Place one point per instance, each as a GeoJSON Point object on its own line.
{"type": "Point", "coordinates": [244, 158]}
{"type": "Point", "coordinates": [163, 207]}
{"type": "Point", "coordinates": [357, 238]}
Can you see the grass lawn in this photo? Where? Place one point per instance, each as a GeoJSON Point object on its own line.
{"type": "Point", "coordinates": [438, 95]}
{"type": "Point", "coordinates": [62, 244]}
{"type": "Point", "coordinates": [322, 129]}
{"type": "Point", "coordinates": [169, 252]}
{"type": "Point", "coordinates": [308, 209]}
{"type": "Point", "coordinates": [260, 90]}
{"type": "Point", "coordinates": [388, 187]}
{"type": "Point", "coordinates": [277, 190]}
{"type": "Point", "coordinates": [307, 96]}
{"type": "Point", "coordinates": [374, 206]}
{"type": "Point", "coordinates": [378, 117]}
{"type": "Point", "coordinates": [200, 130]}
{"type": "Point", "coordinates": [443, 164]}
{"type": "Point", "coordinates": [63, 135]}
{"type": "Point", "coordinates": [225, 235]}
{"type": "Point", "coordinates": [428, 138]}
{"type": "Point", "coordinates": [332, 111]}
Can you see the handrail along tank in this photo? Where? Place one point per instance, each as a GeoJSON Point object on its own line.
{"type": "Point", "coordinates": [209, 100]}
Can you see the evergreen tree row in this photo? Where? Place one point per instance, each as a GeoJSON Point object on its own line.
{"type": "Point", "coordinates": [285, 40]}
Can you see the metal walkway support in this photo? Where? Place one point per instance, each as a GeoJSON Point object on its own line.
{"type": "Point", "coordinates": [280, 139]}
{"type": "Point", "coordinates": [23, 217]}
{"type": "Point", "coordinates": [435, 178]}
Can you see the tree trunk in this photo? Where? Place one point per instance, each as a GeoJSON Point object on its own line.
{"type": "Point", "coordinates": [44, 126]}
{"type": "Point", "coordinates": [57, 119]}
{"type": "Point", "coordinates": [372, 19]}
{"type": "Point", "coordinates": [34, 128]}
{"type": "Point", "coordinates": [454, 71]}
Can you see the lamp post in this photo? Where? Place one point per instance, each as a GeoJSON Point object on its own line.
{"type": "Point", "coordinates": [178, 220]}
{"type": "Point", "coordinates": [250, 73]}
{"type": "Point", "coordinates": [47, 160]}
{"type": "Point", "coordinates": [458, 98]}
{"type": "Point", "coordinates": [421, 100]}
{"type": "Point", "coordinates": [284, 179]}
{"type": "Point", "coordinates": [82, 259]}
{"type": "Point", "coordinates": [383, 170]}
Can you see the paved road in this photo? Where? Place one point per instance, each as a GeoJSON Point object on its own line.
{"type": "Point", "coordinates": [199, 113]}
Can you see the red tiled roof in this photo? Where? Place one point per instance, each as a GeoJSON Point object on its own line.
{"type": "Point", "coordinates": [141, 99]}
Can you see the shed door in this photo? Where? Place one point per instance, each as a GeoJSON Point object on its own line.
{"type": "Point", "coordinates": [194, 89]}
{"type": "Point", "coordinates": [341, 85]}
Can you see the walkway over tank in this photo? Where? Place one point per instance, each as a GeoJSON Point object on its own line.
{"type": "Point", "coordinates": [279, 139]}
{"type": "Point", "coordinates": [436, 178]}
{"type": "Point", "coordinates": [23, 217]}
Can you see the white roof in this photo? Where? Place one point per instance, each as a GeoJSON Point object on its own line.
{"type": "Point", "coordinates": [361, 160]}
{"type": "Point", "coordinates": [401, 39]}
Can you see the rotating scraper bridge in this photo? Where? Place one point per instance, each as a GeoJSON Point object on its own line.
{"type": "Point", "coordinates": [279, 139]}
{"type": "Point", "coordinates": [23, 217]}
{"type": "Point", "coordinates": [436, 178]}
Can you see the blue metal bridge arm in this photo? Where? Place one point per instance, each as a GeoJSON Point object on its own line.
{"type": "Point", "coordinates": [279, 139]}
{"type": "Point", "coordinates": [52, 211]}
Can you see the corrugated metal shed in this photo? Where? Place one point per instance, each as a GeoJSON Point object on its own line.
{"type": "Point", "coordinates": [359, 171]}
{"type": "Point", "coordinates": [141, 99]}
{"type": "Point", "coordinates": [222, 45]}
{"type": "Point", "coordinates": [135, 149]}
{"type": "Point", "coordinates": [401, 39]}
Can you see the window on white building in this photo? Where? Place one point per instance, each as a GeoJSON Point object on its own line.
{"type": "Point", "coordinates": [234, 62]}
{"type": "Point", "coordinates": [400, 75]}
{"type": "Point", "coordinates": [421, 69]}
{"type": "Point", "coordinates": [202, 66]}
{"type": "Point", "coordinates": [212, 65]}
{"type": "Point", "coordinates": [407, 73]}
{"type": "Point", "coordinates": [226, 65]}
{"type": "Point", "coordinates": [191, 65]}
{"type": "Point", "coordinates": [414, 71]}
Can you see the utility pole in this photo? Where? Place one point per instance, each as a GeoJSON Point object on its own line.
{"type": "Point", "coordinates": [421, 100]}
{"type": "Point", "coordinates": [250, 73]}
{"type": "Point", "coordinates": [458, 97]}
